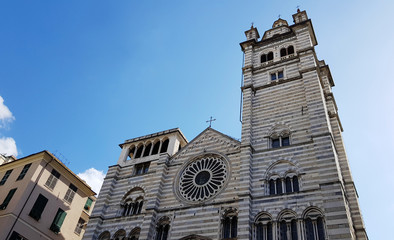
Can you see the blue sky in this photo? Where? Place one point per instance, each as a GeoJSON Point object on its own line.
{"type": "Point", "coordinates": [79, 77]}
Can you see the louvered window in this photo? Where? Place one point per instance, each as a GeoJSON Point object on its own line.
{"type": "Point", "coordinates": [52, 179]}
{"type": "Point", "coordinates": [70, 193]}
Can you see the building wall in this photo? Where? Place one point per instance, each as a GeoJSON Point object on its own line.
{"type": "Point", "coordinates": [28, 190]}
{"type": "Point", "coordinates": [301, 105]}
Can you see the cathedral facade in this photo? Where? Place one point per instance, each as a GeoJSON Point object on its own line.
{"type": "Point", "coordinates": [287, 179]}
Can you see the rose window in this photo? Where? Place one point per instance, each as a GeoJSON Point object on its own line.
{"type": "Point", "coordinates": [203, 178]}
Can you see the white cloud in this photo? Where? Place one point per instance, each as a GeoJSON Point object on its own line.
{"type": "Point", "coordinates": [8, 146]}
{"type": "Point", "coordinates": [5, 114]}
{"type": "Point", "coordinates": [93, 177]}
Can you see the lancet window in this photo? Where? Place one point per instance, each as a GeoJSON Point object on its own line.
{"type": "Point", "coordinates": [163, 227]}
{"type": "Point", "coordinates": [314, 225]}
{"type": "Point", "coordinates": [264, 227]}
{"type": "Point", "coordinates": [288, 226]}
{"type": "Point", "coordinates": [230, 225]}
{"type": "Point", "coordinates": [288, 184]}
{"type": "Point", "coordinates": [133, 202]}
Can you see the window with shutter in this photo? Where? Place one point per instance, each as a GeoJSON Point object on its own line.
{"type": "Point", "coordinates": [7, 199]}
{"type": "Point", "coordinates": [58, 221]}
{"type": "Point", "coordinates": [52, 179]}
{"type": "Point", "coordinates": [5, 177]}
{"type": "Point", "coordinates": [38, 207]}
{"type": "Point", "coordinates": [88, 204]}
{"type": "Point", "coordinates": [79, 227]}
{"type": "Point", "coordinates": [70, 193]}
{"type": "Point", "coordinates": [24, 171]}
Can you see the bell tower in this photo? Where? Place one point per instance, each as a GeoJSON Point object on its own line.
{"type": "Point", "coordinates": [300, 183]}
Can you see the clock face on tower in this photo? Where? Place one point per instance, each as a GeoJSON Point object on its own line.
{"type": "Point", "coordinates": [202, 178]}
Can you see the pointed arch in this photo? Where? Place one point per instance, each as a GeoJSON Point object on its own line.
{"type": "Point", "coordinates": [230, 223]}
{"type": "Point", "coordinates": [163, 228]}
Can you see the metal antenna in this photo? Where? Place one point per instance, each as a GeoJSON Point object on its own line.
{"type": "Point", "coordinates": [61, 157]}
{"type": "Point", "coordinates": [210, 121]}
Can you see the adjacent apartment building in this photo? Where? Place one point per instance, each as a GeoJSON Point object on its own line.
{"type": "Point", "coordinates": [40, 198]}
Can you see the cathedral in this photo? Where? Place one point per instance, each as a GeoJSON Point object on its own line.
{"type": "Point", "coordinates": [288, 178]}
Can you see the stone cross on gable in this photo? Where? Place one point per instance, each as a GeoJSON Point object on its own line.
{"type": "Point", "coordinates": [210, 121]}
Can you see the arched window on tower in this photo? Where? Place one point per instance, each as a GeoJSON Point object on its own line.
{"type": "Point", "coordinates": [283, 230]}
{"type": "Point", "coordinates": [230, 225]}
{"type": "Point", "coordinates": [287, 225]}
{"type": "Point", "coordinates": [263, 227]}
{"type": "Point", "coordinates": [156, 147]}
{"type": "Point", "coordinates": [272, 187]}
{"type": "Point", "coordinates": [314, 225]}
{"type": "Point", "coordinates": [147, 150]}
{"type": "Point", "coordinates": [164, 146]}
{"type": "Point", "coordinates": [139, 151]}
{"type": "Point", "coordinates": [283, 52]}
{"type": "Point", "coordinates": [270, 56]}
{"type": "Point", "coordinates": [296, 187]}
{"type": "Point", "coordinates": [132, 202]}
{"type": "Point", "coordinates": [290, 50]}
{"type": "Point", "coordinates": [131, 153]}
{"type": "Point", "coordinates": [288, 184]}
{"type": "Point", "coordinates": [263, 58]}
{"type": "Point", "coordinates": [280, 139]}
{"type": "Point", "coordinates": [279, 186]}
{"type": "Point", "coordinates": [163, 227]}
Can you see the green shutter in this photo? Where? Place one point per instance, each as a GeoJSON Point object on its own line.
{"type": "Point", "coordinates": [58, 221]}
{"type": "Point", "coordinates": [88, 204]}
{"type": "Point", "coordinates": [7, 199]}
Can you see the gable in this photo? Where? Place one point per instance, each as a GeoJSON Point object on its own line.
{"type": "Point", "coordinates": [209, 140]}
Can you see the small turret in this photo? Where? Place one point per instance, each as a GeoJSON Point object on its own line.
{"type": "Point", "coordinates": [300, 16]}
{"type": "Point", "coordinates": [280, 22]}
{"type": "Point", "coordinates": [252, 33]}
